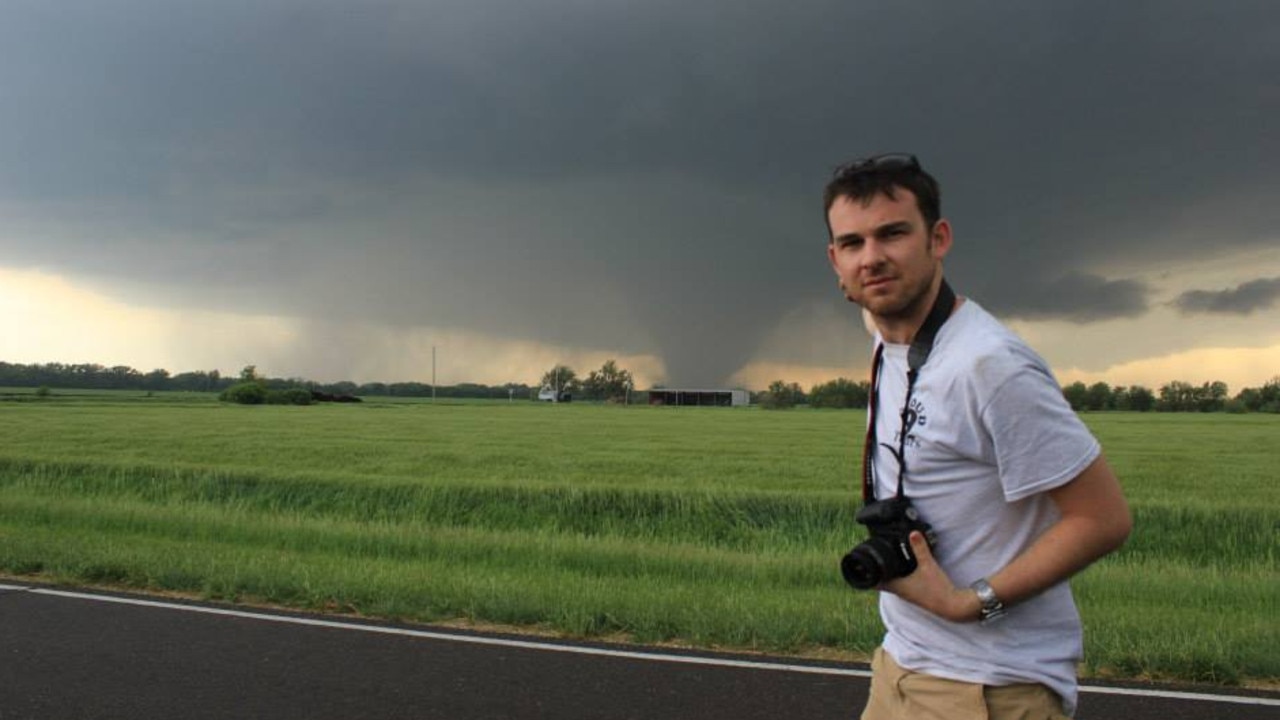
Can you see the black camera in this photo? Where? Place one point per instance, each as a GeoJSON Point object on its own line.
{"type": "Point", "coordinates": [887, 553]}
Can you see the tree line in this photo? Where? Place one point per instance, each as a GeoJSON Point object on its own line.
{"type": "Point", "coordinates": [608, 383]}
{"type": "Point", "coordinates": [611, 383]}
{"type": "Point", "coordinates": [121, 377]}
{"type": "Point", "coordinates": [1176, 396]}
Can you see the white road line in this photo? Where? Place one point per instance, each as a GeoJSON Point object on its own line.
{"type": "Point", "coordinates": [580, 650]}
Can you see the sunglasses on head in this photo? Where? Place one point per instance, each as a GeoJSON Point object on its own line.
{"type": "Point", "coordinates": [887, 161]}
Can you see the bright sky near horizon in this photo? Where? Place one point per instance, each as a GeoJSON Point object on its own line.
{"type": "Point", "coordinates": [330, 190]}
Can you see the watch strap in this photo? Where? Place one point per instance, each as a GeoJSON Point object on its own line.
{"type": "Point", "coordinates": [991, 608]}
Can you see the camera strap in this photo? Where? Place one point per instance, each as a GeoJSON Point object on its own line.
{"type": "Point", "coordinates": [921, 346]}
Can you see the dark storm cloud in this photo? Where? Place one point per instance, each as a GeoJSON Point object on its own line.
{"type": "Point", "coordinates": [634, 175]}
{"type": "Point", "coordinates": [1246, 299]}
{"type": "Point", "coordinates": [1076, 297]}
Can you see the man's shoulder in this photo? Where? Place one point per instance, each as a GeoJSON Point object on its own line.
{"type": "Point", "coordinates": [985, 350]}
{"type": "Point", "coordinates": [977, 334]}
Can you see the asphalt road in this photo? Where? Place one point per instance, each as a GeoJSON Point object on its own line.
{"type": "Point", "coordinates": [70, 655]}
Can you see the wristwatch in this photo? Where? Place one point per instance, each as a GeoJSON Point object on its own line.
{"type": "Point", "coordinates": [992, 609]}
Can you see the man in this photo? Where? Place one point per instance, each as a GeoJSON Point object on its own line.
{"type": "Point", "coordinates": [990, 454]}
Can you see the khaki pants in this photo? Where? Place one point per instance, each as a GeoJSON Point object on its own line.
{"type": "Point", "coordinates": [900, 694]}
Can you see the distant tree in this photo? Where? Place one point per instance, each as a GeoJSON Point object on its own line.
{"type": "Point", "coordinates": [123, 377]}
{"type": "Point", "coordinates": [1140, 399]}
{"type": "Point", "coordinates": [608, 383]}
{"type": "Point", "coordinates": [195, 381]}
{"type": "Point", "coordinates": [1261, 399]}
{"type": "Point", "coordinates": [245, 393]}
{"type": "Point", "coordinates": [409, 389]}
{"type": "Point", "coordinates": [1176, 396]}
{"type": "Point", "coordinates": [342, 387]}
{"type": "Point", "coordinates": [1119, 398]}
{"type": "Point", "coordinates": [839, 393]}
{"type": "Point", "coordinates": [1270, 394]}
{"type": "Point", "coordinates": [289, 396]}
{"type": "Point", "coordinates": [1179, 396]}
{"type": "Point", "coordinates": [465, 390]}
{"type": "Point", "coordinates": [1235, 406]}
{"type": "Point", "coordinates": [798, 393]}
{"type": "Point", "coordinates": [1249, 400]}
{"type": "Point", "coordinates": [781, 395]}
{"type": "Point", "coordinates": [1098, 397]}
{"type": "Point", "coordinates": [157, 379]}
{"type": "Point", "coordinates": [1212, 397]}
{"type": "Point", "coordinates": [1077, 395]}
{"type": "Point", "coordinates": [251, 389]}
{"type": "Point", "coordinates": [563, 379]}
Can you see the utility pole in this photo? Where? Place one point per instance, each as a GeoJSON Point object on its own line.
{"type": "Point", "coordinates": [433, 374]}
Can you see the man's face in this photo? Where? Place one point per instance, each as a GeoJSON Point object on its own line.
{"type": "Point", "coordinates": [884, 255]}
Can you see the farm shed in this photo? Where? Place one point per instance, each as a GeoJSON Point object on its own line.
{"type": "Point", "coordinates": [703, 398]}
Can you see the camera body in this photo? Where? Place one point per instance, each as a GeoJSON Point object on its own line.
{"type": "Point", "coordinates": [887, 554]}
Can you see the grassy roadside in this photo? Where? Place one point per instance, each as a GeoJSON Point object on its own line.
{"type": "Point", "coordinates": [709, 527]}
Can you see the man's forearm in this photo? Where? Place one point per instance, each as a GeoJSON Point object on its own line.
{"type": "Point", "coordinates": [1095, 521]}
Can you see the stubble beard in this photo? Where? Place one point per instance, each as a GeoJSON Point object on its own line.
{"type": "Point", "coordinates": [905, 309]}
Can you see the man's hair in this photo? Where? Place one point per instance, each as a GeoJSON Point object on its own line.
{"type": "Point", "coordinates": [879, 175]}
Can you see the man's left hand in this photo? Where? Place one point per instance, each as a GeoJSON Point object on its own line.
{"type": "Point", "coordinates": [930, 588]}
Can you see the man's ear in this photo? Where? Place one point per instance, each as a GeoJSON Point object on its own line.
{"type": "Point", "coordinates": [940, 238]}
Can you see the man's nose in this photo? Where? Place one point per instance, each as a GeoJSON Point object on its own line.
{"type": "Point", "coordinates": [872, 254]}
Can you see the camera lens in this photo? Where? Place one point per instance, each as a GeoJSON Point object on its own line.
{"type": "Point", "coordinates": [868, 564]}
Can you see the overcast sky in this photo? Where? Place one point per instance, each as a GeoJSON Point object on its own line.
{"type": "Point", "coordinates": [331, 189]}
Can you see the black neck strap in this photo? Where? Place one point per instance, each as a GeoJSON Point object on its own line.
{"type": "Point", "coordinates": [921, 346]}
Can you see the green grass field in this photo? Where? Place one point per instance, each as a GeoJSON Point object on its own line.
{"type": "Point", "coordinates": [711, 527]}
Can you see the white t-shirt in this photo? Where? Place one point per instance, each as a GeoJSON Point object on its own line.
{"type": "Point", "coordinates": [990, 433]}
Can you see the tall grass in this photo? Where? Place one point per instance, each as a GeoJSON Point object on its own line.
{"type": "Point", "coordinates": [718, 527]}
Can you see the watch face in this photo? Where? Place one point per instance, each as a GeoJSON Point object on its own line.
{"type": "Point", "coordinates": [986, 595]}
{"type": "Point", "coordinates": [991, 607]}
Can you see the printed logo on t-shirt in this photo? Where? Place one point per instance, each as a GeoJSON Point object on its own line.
{"type": "Point", "coordinates": [915, 418]}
